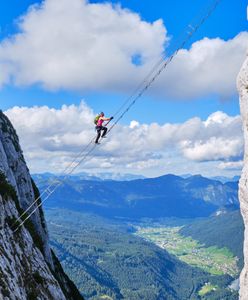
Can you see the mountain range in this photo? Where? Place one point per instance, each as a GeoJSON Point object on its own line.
{"type": "Point", "coordinates": [93, 176]}
{"type": "Point", "coordinates": [165, 196]}
{"type": "Point", "coordinates": [101, 257]}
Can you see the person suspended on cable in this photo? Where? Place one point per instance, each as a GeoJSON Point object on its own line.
{"type": "Point", "coordinates": [101, 130]}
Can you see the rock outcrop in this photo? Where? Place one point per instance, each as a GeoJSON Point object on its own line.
{"type": "Point", "coordinates": [28, 267]}
{"type": "Point", "coordinates": [242, 84]}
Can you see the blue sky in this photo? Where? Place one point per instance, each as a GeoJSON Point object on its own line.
{"type": "Point", "coordinates": [227, 21]}
{"type": "Point", "coordinates": [160, 106]}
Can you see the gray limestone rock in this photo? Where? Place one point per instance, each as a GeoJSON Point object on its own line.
{"type": "Point", "coordinates": [242, 84]}
{"type": "Point", "coordinates": [28, 267]}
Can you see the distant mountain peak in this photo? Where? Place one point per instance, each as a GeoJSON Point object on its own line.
{"type": "Point", "coordinates": [165, 196]}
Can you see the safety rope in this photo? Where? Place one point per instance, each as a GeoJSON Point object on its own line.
{"type": "Point", "coordinates": [127, 105]}
{"type": "Point", "coordinates": [51, 190]}
{"type": "Point", "coordinates": [163, 64]}
{"type": "Point", "coordinates": [66, 172]}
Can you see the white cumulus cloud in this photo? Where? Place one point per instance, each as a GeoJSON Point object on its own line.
{"type": "Point", "coordinates": [213, 149]}
{"type": "Point", "coordinates": [65, 44]}
{"type": "Point", "coordinates": [220, 138]}
{"type": "Point", "coordinates": [52, 137]}
{"type": "Point", "coordinates": [231, 165]}
{"type": "Point", "coordinates": [209, 67]}
{"type": "Point", "coordinates": [77, 45]}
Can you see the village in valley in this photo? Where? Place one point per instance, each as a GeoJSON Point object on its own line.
{"type": "Point", "coordinates": [217, 261]}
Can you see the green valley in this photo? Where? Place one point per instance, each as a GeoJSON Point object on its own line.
{"type": "Point", "coordinates": [107, 261]}
{"type": "Point", "coordinates": [222, 230]}
{"type": "Point", "coordinates": [206, 289]}
{"type": "Point", "coordinates": [217, 261]}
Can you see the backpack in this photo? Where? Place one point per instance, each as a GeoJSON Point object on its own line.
{"type": "Point", "coordinates": [96, 119]}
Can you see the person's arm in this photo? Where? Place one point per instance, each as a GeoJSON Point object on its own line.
{"type": "Point", "coordinates": [106, 119]}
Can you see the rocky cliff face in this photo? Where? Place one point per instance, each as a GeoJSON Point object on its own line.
{"type": "Point", "coordinates": [28, 267]}
{"type": "Point", "coordinates": [242, 83]}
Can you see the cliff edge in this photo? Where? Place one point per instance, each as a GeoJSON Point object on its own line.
{"type": "Point", "coordinates": [28, 267]}
{"type": "Point", "coordinates": [242, 83]}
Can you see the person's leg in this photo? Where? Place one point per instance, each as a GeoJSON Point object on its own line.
{"type": "Point", "coordinates": [104, 129]}
{"type": "Point", "coordinates": [98, 129]}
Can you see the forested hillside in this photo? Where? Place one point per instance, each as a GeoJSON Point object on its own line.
{"type": "Point", "coordinates": [105, 260]}
{"type": "Point", "coordinates": [224, 230]}
{"type": "Point", "coordinates": [102, 256]}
